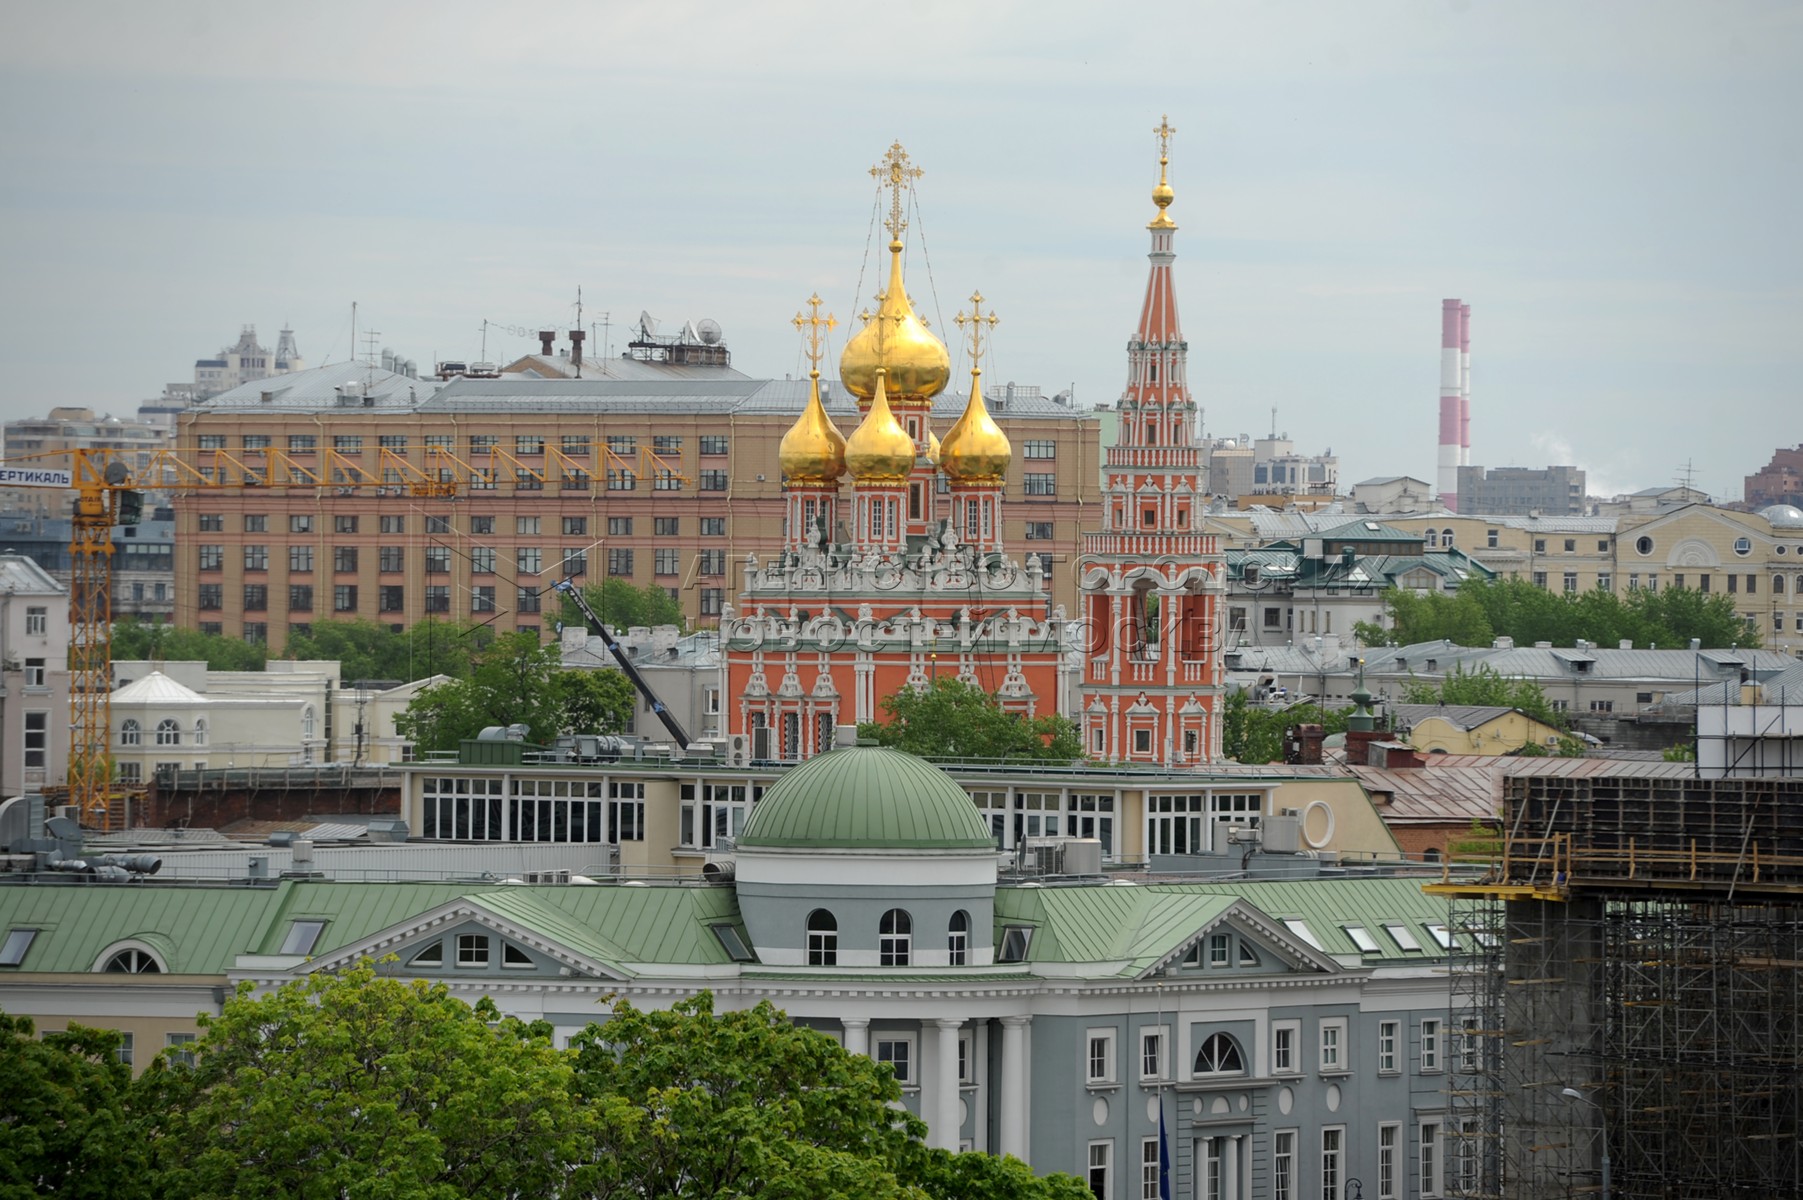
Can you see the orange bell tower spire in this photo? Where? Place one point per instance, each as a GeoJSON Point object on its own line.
{"type": "Point", "coordinates": [1151, 582]}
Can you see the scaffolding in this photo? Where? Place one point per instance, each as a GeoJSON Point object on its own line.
{"type": "Point", "coordinates": [1632, 969]}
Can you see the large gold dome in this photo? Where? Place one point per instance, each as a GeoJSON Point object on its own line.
{"type": "Point", "coordinates": [976, 450]}
{"type": "Point", "coordinates": [879, 450]}
{"type": "Point", "coordinates": [898, 342]}
{"type": "Point", "coordinates": [813, 450]}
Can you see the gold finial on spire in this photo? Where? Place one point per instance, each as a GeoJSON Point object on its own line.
{"type": "Point", "coordinates": [896, 172]}
{"type": "Point", "coordinates": [811, 326]}
{"type": "Point", "coordinates": [1162, 195]}
{"type": "Point", "coordinates": [976, 320]}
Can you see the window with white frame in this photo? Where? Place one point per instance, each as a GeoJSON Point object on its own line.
{"type": "Point", "coordinates": [967, 1062]}
{"type": "Point", "coordinates": [1468, 1045]}
{"type": "Point", "coordinates": [1333, 1166]}
{"type": "Point", "coordinates": [1219, 1055]}
{"type": "Point", "coordinates": [1284, 1036]}
{"type": "Point", "coordinates": [1153, 1060]}
{"type": "Point", "coordinates": [1220, 949]}
{"type": "Point", "coordinates": [1430, 1045]}
{"type": "Point", "coordinates": [1101, 1169]}
{"type": "Point", "coordinates": [1388, 1034]}
{"type": "Point", "coordinates": [1333, 1046]}
{"type": "Point", "coordinates": [1099, 1057]}
{"type": "Point", "coordinates": [169, 732]}
{"type": "Point", "coordinates": [898, 1052]}
{"type": "Point", "coordinates": [1464, 1154]}
{"type": "Point", "coordinates": [1430, 1158]}
{"type": "Point", "coordinates": [1148, 1168]}
{"type": "Point", "coordinates": [823, 939]}
{"type": "Point", "coordinates": [895, 938]}
{"type": "Point", "coordinates": [1283, 1165]}
{"type": "Point", "coordinates": [472, 950]}
{"type": "Point", "coordinates": [1389, 1137]}
{"type": "Point", "coordinates": [957, 939]}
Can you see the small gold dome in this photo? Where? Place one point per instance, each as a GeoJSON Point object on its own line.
{"type": "Point", "coordinates": [1162, 195]}
{"type": "Point", "coordinates": [898, 342]}
{"type": "Point", "coordinates": [813, 450]}
{"type": "Point", "coordinates": [879, 450]}
{"type": "Point", "coordinates": [932, 446]}
{"type": "Point", "coordinates": [976, 451]}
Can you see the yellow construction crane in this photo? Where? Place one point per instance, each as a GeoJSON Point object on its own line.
{"type": "Point", "coordinates": [109, 491]}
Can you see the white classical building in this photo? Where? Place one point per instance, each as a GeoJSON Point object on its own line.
{"type": "Point", "coordinates": [34, 677]}
{"type": "Point", "coordinates": [182, 714]}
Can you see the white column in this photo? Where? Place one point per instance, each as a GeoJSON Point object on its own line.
{"type": "Point", "coordinates": [1230, 1167]}
{"type": "Point", "coordinates": [1014, 1100]}
{"type": "Point", "coordinates": [857, 1034]}
{"type": "Point", "coordinates": [944, 1124]}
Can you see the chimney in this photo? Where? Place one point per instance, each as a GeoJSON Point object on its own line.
{"type": "Point", "coordinates": [1464, 385]}
{"type": "Point", "coordinates": [1451, 380]}
{"type": "Point", "coordinates": [576, 336]}
{"type": "Point", "coordinates": [545, 338]}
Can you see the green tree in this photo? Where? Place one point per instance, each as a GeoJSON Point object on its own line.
{"type": "Point", "coordinates": [516, 681]}
{"type": "Point", "coordinates": [360, 1085]}
{"type": "Point", "coordinates": [1516, 608]}
{"type": "Point", "coordinates": [622, 606]}
{"type": "Point", "coordinates": [157, 642]}
{"type": "Point", "coordinates": [67, 1125]}
{"type": "Point", "coordinates": [1252, 733]}
{"type": "Point", "coordinates": [954, 719]}
{"type": "Point", "coordinates": [372, 650]}
{"type": "Point", "coordinates": [1485, 687]}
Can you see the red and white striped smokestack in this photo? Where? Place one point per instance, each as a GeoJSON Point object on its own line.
{"type": "Point", "coordinates": [1464, 385]}
{"type": "Point", "coordinates": [1451, 415]}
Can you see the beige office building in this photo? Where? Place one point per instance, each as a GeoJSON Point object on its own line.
{"type": "Point", "coordinates": [658, 474]}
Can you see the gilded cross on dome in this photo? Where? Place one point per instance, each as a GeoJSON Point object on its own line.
{"type": "Point", "coordinates": [896, 172]}
{"type": "Point", "coordinates": [976, 319]}
{"type": "Point", "coordinates": [810, 327]}
{"type": "Point", "coordinates": [1164, 131]}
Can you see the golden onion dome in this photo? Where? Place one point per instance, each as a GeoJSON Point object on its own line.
{"type": "Point", "coordinates": [879, 450]}
{"type": "Point", "coordinates": [976, 451]}
{"type": "Point", "coordinates": [897, 341]}
{"type": "Point", "coordinates": [932, 446]}
{"type": "Point", "coordinates": [813, 450]}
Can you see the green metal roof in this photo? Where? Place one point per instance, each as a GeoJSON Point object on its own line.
{"type": "Point", "coordinates": [1141, 925]}
{"type": "Point", "coordinates": [866, 797]}
{"type": "Point", "coordinates": [621, 925]}
{"type": "Point", "coordinates": [195, 931]}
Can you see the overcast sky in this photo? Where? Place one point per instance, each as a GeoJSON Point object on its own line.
{"type": "Point", "coordinates": [1612, 187]}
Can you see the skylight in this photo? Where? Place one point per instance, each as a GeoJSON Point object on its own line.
{"type": "Point", "coordinates": [1361, 938]}
{"type": "Point", "coordinates": [302, 937]}
{"type": "Point", "coordinates": [1015, 940]}
{"type": "Point", "coordinates": [1404, 937]}
{"type": "Point", "coordinates": [1299, 927]}
{"type": "Point", "coordinates": [1442, 934]}
{"type": "Point", "coordinates": [733, 944]}
{"type": "Point", "coordinates": [18, 941]}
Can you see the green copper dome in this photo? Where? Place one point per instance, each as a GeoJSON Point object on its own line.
{"type": "Point", "coordinates": [866, 798]}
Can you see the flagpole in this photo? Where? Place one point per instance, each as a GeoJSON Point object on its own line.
{"type": "Point", "coordinates": [1164, 1140]}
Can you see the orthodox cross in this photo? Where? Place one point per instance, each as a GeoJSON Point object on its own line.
{"type": "Point", "coordinates": [976, 319]}
{"type": "Point", "coordinates": [900, 174]}
{"type": "Point", "coordinates": [810, 327]}
{"type": "Point", "coordinates": [1164, 131]}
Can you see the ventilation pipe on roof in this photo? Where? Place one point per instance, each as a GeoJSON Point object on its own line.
{"type": "Point", "coordinates": [545, 338]}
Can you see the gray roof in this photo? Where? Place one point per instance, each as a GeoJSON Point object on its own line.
{"type": "Point", "coordinates": [319, 388]}
{"type": "Point", "coordinates": [543, 366]}
{"type": "Point", "coordinates": [1460, 716]}
{"type": "Point", "coordinates": [21, 576]}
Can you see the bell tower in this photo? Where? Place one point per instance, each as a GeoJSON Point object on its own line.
{"type": "Point", "coordinates": [1151, 581]}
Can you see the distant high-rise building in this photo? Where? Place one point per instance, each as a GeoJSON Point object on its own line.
{"type": "Point", "coordinates": [245, 361]}
{"type": "Point", "coordinates": [1520, 491]}
{"type": "Point", "coordinates": [1779, 481]}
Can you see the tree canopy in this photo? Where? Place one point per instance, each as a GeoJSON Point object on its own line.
{"type": "Point", "coordinates": [517, 681]}
{"type": "Point", "coordinates": [1485, 609]}
{"type": "Point", "coordinates": [1485, 687]}
{"type": "Point", "coordinates": [371, 650]}
{"type": "Point", "coordinates": [1251, 733]}
{"type": "Point", "coordinates": [157, 642]}
{"type": "Point", "coordinates": [363, 1085]}
{"type": "Point", "coordinates": [953, 719]}
{"type": "Point", "coordinates": [621, 605]}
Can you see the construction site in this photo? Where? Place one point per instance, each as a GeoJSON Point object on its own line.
{"type": "Point", "coordinates": [1627, 1002]}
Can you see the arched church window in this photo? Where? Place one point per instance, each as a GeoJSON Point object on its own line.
{"type": "Point", "coordinates": [823, 939]}
{"type": "Point", "coordinates": [169, 732]}
{"type": "Point", "coordinates": [895, 939]}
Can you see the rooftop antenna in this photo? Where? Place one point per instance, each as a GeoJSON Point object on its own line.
{"type": "Point", "coordinates": [353, 331]}
{"type": "Point", "coordinates": [1687, 474]}
{"type": "Point", "coordinates": [578, 354]}
{"type": "Point", "coordinates": [1273, 422]}
{"type": "Point", "coordinates": [369, 359]}
{"type": "Point", "coordinates": [604, 325]}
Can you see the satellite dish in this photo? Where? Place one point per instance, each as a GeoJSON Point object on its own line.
{"type": "Point", "coordinates": [116, 474]}
{"type": "Point", "coordinates": [709, 329]}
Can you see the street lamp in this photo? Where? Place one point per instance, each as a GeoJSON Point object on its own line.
{"type": "Point", "coordinates": [1603, 1115]}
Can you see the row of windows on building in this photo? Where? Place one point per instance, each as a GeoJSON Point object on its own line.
{"type": "Point", "coordinates": [1434, 1174]}
{"type": "Point", "coordinates": [895, 939]}
{"type": "Point", "coordinates": [482, 560]}
{"type": "Point", "coordinates": [574, 445]}
{"type": "Point", "coordinates": [1220, 1054]}
{"type": "Point", "coordinates": [478, 525]}
{"type": "Point", "coordinates": [1649, 581]}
